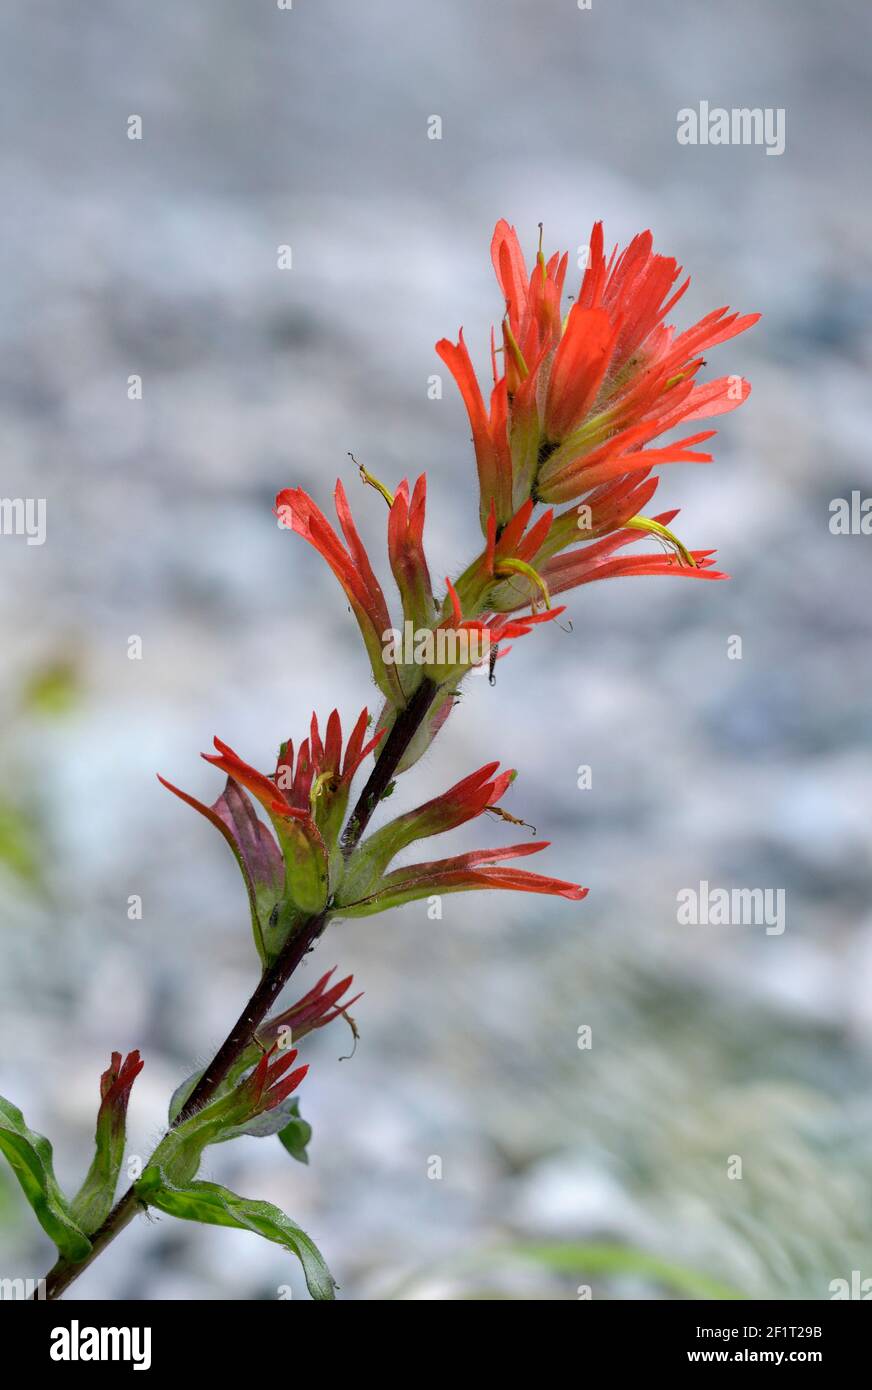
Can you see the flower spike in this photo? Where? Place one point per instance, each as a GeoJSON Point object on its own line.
{"type": "Point", "coordinates": [585, 400]}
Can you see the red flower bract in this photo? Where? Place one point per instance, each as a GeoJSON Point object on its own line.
{"type": "Point", "coordinates": [585, 395]}
{"type": "Point", "coordinates": [268, 1085]}
{"type": "Point", "coordinates": [584, 399]}
{"type": "Point", "coordinates": [320, 1006]}
{"type": "Point", "coordinates": [116, 1083]}
{"type": "Point", "coordinates": [367, 888]}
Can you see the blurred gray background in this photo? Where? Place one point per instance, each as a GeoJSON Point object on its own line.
{"type": "Point", "coordinates": [308, 127]}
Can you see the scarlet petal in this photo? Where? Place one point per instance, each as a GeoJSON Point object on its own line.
{"type": "Point", "coordinates": [492, 454]}
{"type": "Point", "coordinates": [455, 602]}
{"type": "Point", "coordinates": [457, 360]}
{"type": "Point", "coordinates": [511, 271]}
{"type": "Point", "coordinates": [116, 1081]}
{"type": "Point", "coordinates": [333, 741]}
{"type": "Point", "coordinates": [579, 366]}
{"type": "Point", "coordinates": [283, 1088]}
{"type": "Point", "coordinates": [461, 873]}
{"type": "Point", "coordinates": [228, 761]}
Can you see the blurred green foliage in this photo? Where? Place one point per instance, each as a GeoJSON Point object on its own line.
{"type": "Point", "coordinates": [19, 845]}
{"type": "Point", "coordinates": [52, 690]}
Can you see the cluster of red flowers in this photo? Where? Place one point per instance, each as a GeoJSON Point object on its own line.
{"type": "Point", "coordinates": [579, 399]}
{"type": "Point", "coordinates": [576, 415]}
{"type": "Point", "coordinates": [301, 868]}
{"type": "Point", "coordinates": [576, 405]}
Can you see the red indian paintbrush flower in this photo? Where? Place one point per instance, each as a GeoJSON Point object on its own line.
{"type": "Point", "coordinates": [576, 404]}
{"type": "Point", "coordinates": [579, 398]}
{"type": "Point", "coordinates": [270, 1083]}
{"type": "Point", "coordinates": [288, 874]}
{"type": "Point", "coordinates": [117, 1080]}
{"type": "Point", "coordinates": [235, 1110]}
{"type": "Point", "coordinates": [459, 874]}
{"type": "Point", "coordinates": [115, 1086]}
{"type": "Point", "coordinates": [320, 1006]}
{"type": "Point", "coordinates": [367, 888]}
{"type": "Point", "coordinates": [350, 563]}
{"type": "Point", "coordinates": [93, 1201]}
{"type": "Point", "coordinates": [435, 641]}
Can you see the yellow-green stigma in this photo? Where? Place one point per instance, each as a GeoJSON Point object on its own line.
{"type": "Point", "coordinates": [321, 781]}
{"type": "Point", "coordinates": [511, 566]}
{"type": "Point", "coordinates": [514, 350]}
{"type": "Point", "coordinates": [669, 538]}
{"type": "Point", "coordinates": [371, 481]}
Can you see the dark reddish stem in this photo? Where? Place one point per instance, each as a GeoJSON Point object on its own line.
{"type": "Point", "coordinates": [406, 725]}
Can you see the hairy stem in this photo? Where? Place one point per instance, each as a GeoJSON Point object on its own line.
{"type": "Point", "coordinates": [272, 982]}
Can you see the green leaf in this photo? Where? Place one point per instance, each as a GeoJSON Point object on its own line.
{"type": "Point", "coordinates": [305, 857]}
{"type": "Point", "coordinates": [93, 1201]}
{"type": "Point", "coordinates": [217, 1206]}
{"type": "Point", "coordinates": [179, 1153]}
{"type": "Point", "coordinates": [296, 1135]}
{"type": "Point", "coordinates": [181, 1093]}
{"type": "Point", "coordinates": [53, 690]}
{"type": "Point", "coordinates": [263, 1126]}
{"type": "Point", "coordinates": [31, 1158]}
